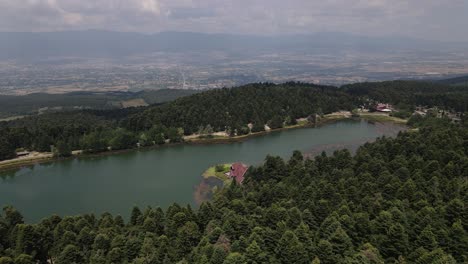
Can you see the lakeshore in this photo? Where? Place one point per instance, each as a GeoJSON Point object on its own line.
{"type": "Point", "coordinates": [163, 175]}
{"type": "Point", "coordinates": [217, 138]}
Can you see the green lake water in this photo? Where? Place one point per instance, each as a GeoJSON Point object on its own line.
{"type": "Point", "coordinates": [160, 177]}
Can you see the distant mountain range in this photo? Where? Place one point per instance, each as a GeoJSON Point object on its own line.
{"type": "Point", "coordinates": [94, 43]}
{"type": "Point", "coordinates": [457, 81]}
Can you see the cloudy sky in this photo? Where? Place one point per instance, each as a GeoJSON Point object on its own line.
{"type": "Point", "coordinates": [427, 19]}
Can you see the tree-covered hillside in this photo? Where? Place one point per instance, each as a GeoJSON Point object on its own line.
{"type": "Point", "coordinates": [235, 107]}
{"type": "Point", "coordinates": [230, 110]}
{"type": "Point", "coordinates": [413, 93]}
{"type": "Point", "coordinates": [222, 109]}
{"type": "Point", "coordinates": [401, 200]}
{"type": "Point", "coordinates": [456, 81]}
{"type": "Point", "coordinates": [11, 105]}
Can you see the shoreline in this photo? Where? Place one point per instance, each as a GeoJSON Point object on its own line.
{"type": "Point", "coordinates": [17, 163]}
{"type": "Point", "coordinates": [377, 117]}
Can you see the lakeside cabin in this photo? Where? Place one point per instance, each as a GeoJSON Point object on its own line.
{"type": "Point", "coordinates": [384, 108]}
{"type": "Point", "coordinates": [237, 171]}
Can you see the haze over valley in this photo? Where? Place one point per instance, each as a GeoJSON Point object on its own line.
{"type": "Point", "coordinates": [61, 62]}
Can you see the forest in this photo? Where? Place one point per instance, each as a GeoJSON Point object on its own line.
{"type": "Point", "coordinates": [397, 200]}
{"type": "Point", "coordinates": [456, 81]}
{"type": "Point", "coordinates": [17, 105]}
{"type": "Point", "coordinates": [413, 93]}
{"type": "Point", "coordinates": [228, 109]}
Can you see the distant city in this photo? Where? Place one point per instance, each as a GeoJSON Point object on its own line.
{"type": "Point", "coordinates": [351, 60]}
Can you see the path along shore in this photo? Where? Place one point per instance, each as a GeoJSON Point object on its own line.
{"type": "Point", "coordinates": [216, 138]}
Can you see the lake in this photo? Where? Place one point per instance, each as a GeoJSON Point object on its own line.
{"type": "Point", "coordinates": [162, 176]}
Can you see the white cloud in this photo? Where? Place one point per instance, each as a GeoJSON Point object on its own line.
{"type": "Point", "coordinates": [420, 18]}
{"type": "Point", "coordinates": [151, 6]}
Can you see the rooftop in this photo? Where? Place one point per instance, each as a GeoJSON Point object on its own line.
{"type": "Point", "coordinates": [238, 171]}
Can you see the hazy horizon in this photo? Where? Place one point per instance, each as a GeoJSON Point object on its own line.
{"type": "Point", "coordinates": [119, 45]}
{"type": "Point", "coordinates": [285, 34]}
{"type": "Point", "coordinates": [424, 20]}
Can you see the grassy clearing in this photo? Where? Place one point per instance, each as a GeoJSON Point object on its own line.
{"type": "Point", "coordinates": [332, 118]}
{"type": "Point", "coordinates": [382, 118]}
{"type": "Point", "coordinates": [212, 172]}
{"type": "Point", "coordinates": [206, 138]}
{"type": "Point", "coordinates": [25, 161]}
{"type": "Point", "coordinates": [302, 123]}
{"type": "Point", "coordinates": [133, 103]}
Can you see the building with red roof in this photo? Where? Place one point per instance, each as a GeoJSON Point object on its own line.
{"type": "Point", "coordinates": [386, 108]}
{"type": "Point", "coordinates": [238, 171]}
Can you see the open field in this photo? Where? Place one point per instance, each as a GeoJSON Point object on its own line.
{"type": "Point", "coordinates": [380, 117]}
{"type": "Point", "coordinates": [15, 106]}
{"type": "Point", "coordinates": [134, 103]}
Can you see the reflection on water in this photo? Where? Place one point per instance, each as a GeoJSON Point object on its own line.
{"type": "Point", "coordinates": [381, 129]}
{"type": "Point", "coordinates": [162, 176]}
{"type": "Point", "coordinates": [205, 190]}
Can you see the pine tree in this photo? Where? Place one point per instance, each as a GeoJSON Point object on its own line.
{"type": "Point", "coordinates": [187, 238]}
{"type": "Point", "coordinates": [455, 210]}
{"type": "Point", "coordinates": [367, 255]}
{"type": "Point", "coordinates": [304, 235]}
{"type": "Point", "coordinates": [458, 241]}
{"type": "Point", "coordinates": [258, 124]}
{"type": "Point", "coordinates": [309, 219]}
{"type": "Point", "coordinates": [148, 250]}
{"type": "Point", "coordinates": [437, 256]}
{"type": "Point", "coordinates": [325, 252]}
{"type": "Point", "coordinates": [427, 239]}
{"type": "Point", "coordinates": [12, 216]}
{"type": "Point", "coordinates": [290, 250]}
{"type": "Point", "coordinates": [26, 239]}
{"type": "Point", "coordinates": [116, 255]}
{"type": "Point", "coordinates": [70, 255]}
{"type": "Point", "coordinates": [7, 150]}
{"type": "Point", "coordinates": [219, 254]}
{"type": "Point", "coordinates": [62, 149]}
{"type": "Point", "coordinates": [341, 243]}
{"type": "Point", "coordinates": [101, 242]}
{"type": "Point", "coordinates": [255, 255]}
{"type": "Point", "coordinates": [98, 257]}
{"type": "Point", "coordinates": [276, 122]}
{"type": "Point", "coordinates": [132, 248]}
{"type": "Point", "coordinates": [396, 242]}
{"type": "Point", "coordinates": [234, 258]}
{"type": "Point", "coordinates": [136, 216]}
{"type": "Point", "coordinates": [149, 225]}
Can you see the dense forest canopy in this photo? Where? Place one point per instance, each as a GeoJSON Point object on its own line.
{"type": "Point", "coordinates": [254, 103]}
{"type": "Point", "coordinates": [225, 109]}
{"type": "Point", "coordinates": [14, 105]}
{"type": "Point", "coordinates": [456, 81]}
{"type": "Point", "coordinates": [413, 93]}
{"type": "Point", "coordinates": [401, 200]}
